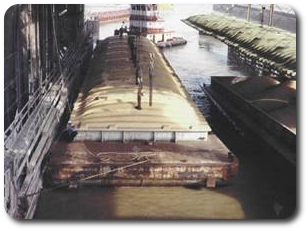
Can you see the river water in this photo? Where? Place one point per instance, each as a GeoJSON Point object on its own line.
{"type": "Point", "coordinates": [264, 188]}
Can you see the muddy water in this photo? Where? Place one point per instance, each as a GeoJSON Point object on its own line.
{"type": "Point", "coordinates": [264, 187]}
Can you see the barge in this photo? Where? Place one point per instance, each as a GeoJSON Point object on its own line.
{"type": "Point", "coordinates": [167, 142]}
{"type": "Point", "coordinates": [265, 48]}
{"type": "Point", "coordinates": [262, 105]}
{"type": "Point", "coordinates": [110, 13]}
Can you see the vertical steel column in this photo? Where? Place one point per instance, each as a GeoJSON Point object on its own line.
{"type": "Point", "coordinates": [31, 52]}
{"type": "Point", "coordinates": [17, 60]}
{"type": "Point", "coordinates": [49, 40]}
{"type": "Point", "coordinates": [41, 39]}
{"type": "Point", "coordinates": [37, 46]}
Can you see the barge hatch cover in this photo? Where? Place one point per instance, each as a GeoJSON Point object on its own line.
{"type": "Point", "coordinates": [105, 108]}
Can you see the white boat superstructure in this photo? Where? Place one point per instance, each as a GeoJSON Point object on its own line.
{"type": "Point", "coordinates": [145, 20]}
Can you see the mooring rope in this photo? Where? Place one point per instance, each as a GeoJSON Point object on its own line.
{"type": "Point", "coordinates": [144, 158]}
{"type": "Point", "coordinates": [69, 181]}
{"type": "Point", "coordinates": [136, 156]}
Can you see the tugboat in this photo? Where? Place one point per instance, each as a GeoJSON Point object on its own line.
{"type": "Point", "coordinates": [145, 20]}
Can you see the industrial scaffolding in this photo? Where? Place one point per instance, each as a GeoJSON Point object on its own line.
{"type": "Point", "coordinates": [46, 48]}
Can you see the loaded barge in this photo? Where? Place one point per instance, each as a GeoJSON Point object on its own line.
{"type": "Point", "coordinates": [166, 141]}
{"type": "Point", "coordinates": [265, 106]}
{"type": "Point", "coordinates": [261, 105]}
{"type": "Point", "coordinates": [268, 49]}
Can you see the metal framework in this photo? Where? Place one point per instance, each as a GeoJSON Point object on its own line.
{"type": "Point", "coordinates": [53, 67]}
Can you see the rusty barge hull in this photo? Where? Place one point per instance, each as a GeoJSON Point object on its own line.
{"type": "Point", "coordinates": [141, 164]}
{"type": "Point", "coordinates": [153, 174]}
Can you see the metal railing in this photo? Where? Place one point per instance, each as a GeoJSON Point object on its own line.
{"type": "Point", "coordinates": [55, 80]}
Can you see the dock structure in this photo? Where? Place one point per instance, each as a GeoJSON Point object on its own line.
{"type": "Point", "coordinates": [47, 48]}
{"type": "Point", "coordinates": [167, 143]}
{"type": "Point", "coordinates": [106, 106]}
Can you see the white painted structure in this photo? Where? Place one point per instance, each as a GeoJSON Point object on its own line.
{"type": "Point", "coordinates": [145, 20]}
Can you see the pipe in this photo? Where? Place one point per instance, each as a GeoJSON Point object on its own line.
{"type": "Point", "coordinates": [271, 15]}
{"type": "Point", "coordinates": [248, 12]}
{"type": "Point", "coordinates": [262, 15]}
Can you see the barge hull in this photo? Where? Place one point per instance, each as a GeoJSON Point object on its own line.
{"type": "Point", "coordinates": [141, 164]}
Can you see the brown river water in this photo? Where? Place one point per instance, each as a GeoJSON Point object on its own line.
{"type": "Point", "coordinates": [264, 188]}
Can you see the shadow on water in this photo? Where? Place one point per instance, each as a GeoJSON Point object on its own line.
{"type": "Point", "coordinates": [266, 182]}
{"type": "Point", "coordinates": [139, 203]}
{"type": "Point", "coordinates": [74, 204]}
